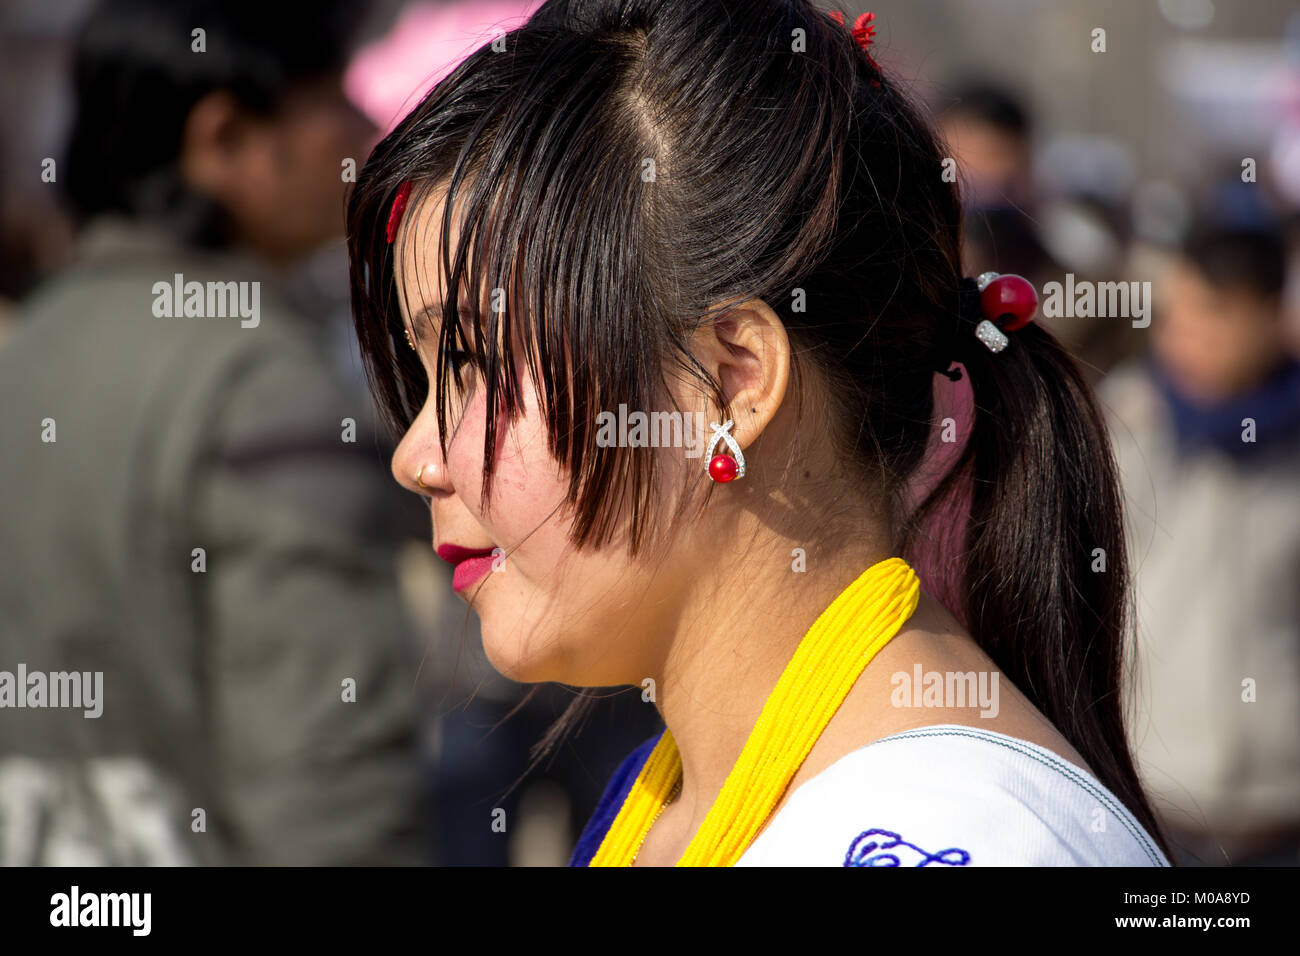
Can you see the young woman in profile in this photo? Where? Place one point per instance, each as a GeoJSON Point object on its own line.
{"type": "Point", "coordinates": [680, 208]}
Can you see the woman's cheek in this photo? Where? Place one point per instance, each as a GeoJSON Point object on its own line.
{"type": "Point", "coordinates": [527, 484]}
{"type": "Point", "coordinates": [465, 454]}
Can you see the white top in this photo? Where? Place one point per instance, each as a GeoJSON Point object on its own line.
{"type": "Point", "coordinates": [951, 795]}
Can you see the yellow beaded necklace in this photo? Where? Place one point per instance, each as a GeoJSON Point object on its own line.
{"type": "Point", "coordinates": [836, 649]}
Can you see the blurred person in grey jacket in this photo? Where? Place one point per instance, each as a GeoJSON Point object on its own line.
{"type": "Point", "coordinates": [1207, 433]}
{"type": "Point", "coordinates": [204, 657]}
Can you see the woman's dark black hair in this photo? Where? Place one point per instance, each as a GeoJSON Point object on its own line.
{"type": "Point", "coordinates": [786, 168]}
{"type": "Point", "coordinates": [137, 76]}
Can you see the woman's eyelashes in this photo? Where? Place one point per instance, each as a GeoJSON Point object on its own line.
{"type": "Point", "coordinates": [458, 360]}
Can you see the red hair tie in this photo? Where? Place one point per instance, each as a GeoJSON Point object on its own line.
{"type": "Point", "coordinates": [399, 207]}
{"type": "Point", "coordinates": [993, 304]}
{"type": "Point", "coordinates": [863, 33]}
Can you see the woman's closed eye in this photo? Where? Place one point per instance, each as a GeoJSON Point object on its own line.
{"type": "Point", "coordinates": [459, 360]}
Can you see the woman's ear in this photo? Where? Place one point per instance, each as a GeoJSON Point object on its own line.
{"type": "Point", "coordinates": [746, 348]}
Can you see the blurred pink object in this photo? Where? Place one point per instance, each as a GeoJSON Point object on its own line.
{"type": "Point", "coordinates": [388, 78]}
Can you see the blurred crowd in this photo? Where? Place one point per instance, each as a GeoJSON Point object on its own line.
{"type": "Point", "coordinates": [206, 516]}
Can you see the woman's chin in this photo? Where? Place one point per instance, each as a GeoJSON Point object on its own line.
{"type": "Point", "coordinates": [528, 652]}
{"type": "Point", "coordinates": [511, 656]}
{"type": "Point", "coordinates": [536, 661]}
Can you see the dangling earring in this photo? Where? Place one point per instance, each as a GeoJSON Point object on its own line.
{"type": "Point", "coordinates": [721, 468]}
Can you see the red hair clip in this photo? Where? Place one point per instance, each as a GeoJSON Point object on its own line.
{"type": "Point", "coordinates": [399, 207]}
{"type": "Point", "coordinates": [864, 31]}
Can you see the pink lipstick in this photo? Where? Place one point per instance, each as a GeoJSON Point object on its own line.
{"type": "Point", "coordinates": [471, 564]}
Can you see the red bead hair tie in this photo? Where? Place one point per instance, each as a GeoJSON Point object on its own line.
{"type": "Point", "coordinates": [1007, 299]}
{"type": "Point", "coordinates": [995, 304]}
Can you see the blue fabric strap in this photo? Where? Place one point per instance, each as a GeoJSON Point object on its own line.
{"type": "Point", "coordinates": [611, 801]}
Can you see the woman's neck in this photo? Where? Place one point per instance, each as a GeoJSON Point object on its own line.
{"type": "Point", "coordinates": [739, 630]}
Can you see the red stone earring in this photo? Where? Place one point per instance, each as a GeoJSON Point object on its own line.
{"type": "Point", "coordinates": [722, 468]}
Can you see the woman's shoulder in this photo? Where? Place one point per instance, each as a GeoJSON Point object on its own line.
{"type": "Point", "coordinates": [953, 795]}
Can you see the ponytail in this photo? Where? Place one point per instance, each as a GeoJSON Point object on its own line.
{"type": "Point", "coordinates": [1045, 586]}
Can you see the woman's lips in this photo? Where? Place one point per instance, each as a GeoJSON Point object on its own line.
{"type": "Point", "coordinates": [471, 564]}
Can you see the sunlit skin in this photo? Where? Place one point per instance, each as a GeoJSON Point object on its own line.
{"type": "Point", "coordinates": [714, 614]}
{"type": "Point", "coordinates": [1215, 343]}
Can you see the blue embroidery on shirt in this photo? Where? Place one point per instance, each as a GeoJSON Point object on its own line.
{"type": "Point", "coordinates": [868, 850]}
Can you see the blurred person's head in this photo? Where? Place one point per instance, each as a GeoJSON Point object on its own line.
{"type": "Point", "coordinates": [235, 136]}
{"type": "Point", "coordinates": [988, 131]}
{"type": "Point", "coordinates": [1222, 330]}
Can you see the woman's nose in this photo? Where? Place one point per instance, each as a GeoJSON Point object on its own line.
{"type": "Point", "coordinates": [418, 464]}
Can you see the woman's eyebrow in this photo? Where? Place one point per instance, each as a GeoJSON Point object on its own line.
{"type": "Point", "coordinates": [427, 315]}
